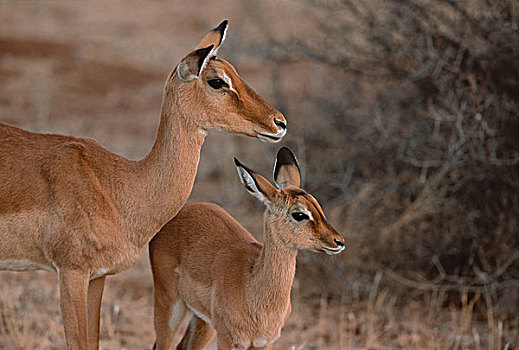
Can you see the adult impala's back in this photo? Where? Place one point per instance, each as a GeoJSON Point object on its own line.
{"type": "Point", "coordinates": [208, 267]}
{"type": "Point", "coordinates": [69, 205]}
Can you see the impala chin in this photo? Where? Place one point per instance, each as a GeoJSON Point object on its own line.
{"type": "Point", "coordinates": [272, 138]}
{"type": "Point", "coordinates": [332, 251]}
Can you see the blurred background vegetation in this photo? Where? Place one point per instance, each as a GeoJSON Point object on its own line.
{"type": "Point", "coordinates": [403, 114]}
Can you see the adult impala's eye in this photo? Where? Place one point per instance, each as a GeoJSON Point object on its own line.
{"type": "Point", "coordinates": [298, 216]}
{"type": "Point", "coordinates": [217, 83]}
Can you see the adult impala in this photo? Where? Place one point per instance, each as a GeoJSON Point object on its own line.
{"type": "Point", "coordinates": [208, 267]}
{"type": "Point", "coordinates": [69, 205]}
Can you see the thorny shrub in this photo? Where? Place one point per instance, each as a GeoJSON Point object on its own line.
{"type": "Point", "coordinates": [419, 122]}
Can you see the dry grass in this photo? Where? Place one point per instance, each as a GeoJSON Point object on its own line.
{"type": "Point", "coordinates": [96, 69]}
{"type": "Point", "coordinates": [30, 319]}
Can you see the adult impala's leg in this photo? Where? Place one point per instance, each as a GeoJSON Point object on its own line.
{"type": "Point", "coordinates": [95, 295]}
{"type": "Point", "coordinates": [197, 336]}
{"type": "Point", "coordinates": [73, 287]}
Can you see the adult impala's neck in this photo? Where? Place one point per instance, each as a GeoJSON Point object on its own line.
{"type": "Point", "coordinates": [163, 180]}
{"type": "Point", "coordinates": [272, 275]}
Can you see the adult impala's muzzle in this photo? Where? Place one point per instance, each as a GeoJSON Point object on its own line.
{"type": "Point", "coordinates": [281, 125]}
{"type": "Point", "coordinates": [334, 250]}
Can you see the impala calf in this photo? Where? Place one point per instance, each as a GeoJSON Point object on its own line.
{"type": "Point", "coordinates": [69, 205]}
{"type": "Point", "coordinates": [208, 267]}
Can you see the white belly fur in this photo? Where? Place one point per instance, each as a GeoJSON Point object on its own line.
{"type": "Point", "coordinates": [177, 314]}
{"type": "Point", "coordinates": [200, 315]}
{"type": "Point", "coordinates": [22, 265]}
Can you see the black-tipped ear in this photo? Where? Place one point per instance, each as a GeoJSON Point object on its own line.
{"type": "Point", "coordinates": [215, 36]}
{"type": "Point", "coordinates": [286, 169]}
{"type": "Point", "coordinates": [193, 64]}
{"type": "Point", "coordinates": [222, 29]}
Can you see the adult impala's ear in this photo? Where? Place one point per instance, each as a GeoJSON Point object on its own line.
{"type": "Point", "coordinates": [215, 37]}
{"type": "Point", "coordinates": [194, 63]}
{"type": "Point", "coordinates": [286, 169]}
{"type": "Point", "coordinates": [255, 184]}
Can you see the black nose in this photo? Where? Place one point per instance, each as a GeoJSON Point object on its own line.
{"type": "Point", "coordinates": [280, 123]}
{"type": "Point", "coordinates": [339, 243]}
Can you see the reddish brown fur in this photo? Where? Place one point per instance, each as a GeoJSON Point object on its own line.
{"type": "Point", "coordinates": [205, 261]}
{"type": "Point", "coordinates": [68, 204]}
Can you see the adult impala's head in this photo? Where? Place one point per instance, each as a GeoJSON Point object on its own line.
{"type": "Point", "coordinates": [209, 93]}
{"type": "Point", "coordinates": [295, 216]}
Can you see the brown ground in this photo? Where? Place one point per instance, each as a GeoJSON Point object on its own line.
{"type": "Point", "coordinates": [96, 69]}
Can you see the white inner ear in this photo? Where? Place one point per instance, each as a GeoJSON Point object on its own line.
{"type": "Point", "coordinates": [183, 68]}
{"type": "Point", "coordinates": [250, 185]}
{"type": "Point", "coordinates": [273, 175]}
{"type": "Point", "coordinates": [183, 72]}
